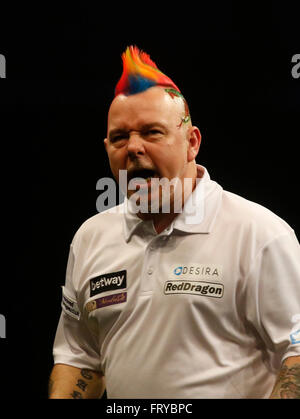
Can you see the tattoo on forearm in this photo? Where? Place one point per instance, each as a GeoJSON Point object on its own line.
{"type": "Point", "coordinates": [86, 374]}
{"type": "Point", "coordinates": [288, 383]}
{"type": "Point", "coordinates": [76, 395]}
{"type": "Point", "coordinates": [81, 384]}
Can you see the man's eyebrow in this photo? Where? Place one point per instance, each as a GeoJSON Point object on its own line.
{"type": "Point", "coordinates": [145, 127]}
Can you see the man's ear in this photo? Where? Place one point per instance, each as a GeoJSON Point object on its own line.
{"type": "Point", "coordinates": [105, 143]}
{"type": "Point", "coordinates": [194, 143]}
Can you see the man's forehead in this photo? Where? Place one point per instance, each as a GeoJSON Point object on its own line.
{"type": "Point", "coordinates": [154, 103]}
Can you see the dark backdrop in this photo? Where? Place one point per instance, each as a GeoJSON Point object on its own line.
{"type": "Point", "coordinates": [234, 67]}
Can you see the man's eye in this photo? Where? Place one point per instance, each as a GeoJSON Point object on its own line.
{"type": "Point", "coordinates": [117, 138]}
{"type": "Point", "coordinates": [153, 132]}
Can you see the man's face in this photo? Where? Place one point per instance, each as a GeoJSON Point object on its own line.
{"type": "Point", "coordinates": [145, 136]}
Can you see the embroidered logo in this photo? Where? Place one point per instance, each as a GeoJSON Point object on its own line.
{"type": "Point", "coordinates": [106, 301]}
{"type": "Point", "coordinates": [208, 289]}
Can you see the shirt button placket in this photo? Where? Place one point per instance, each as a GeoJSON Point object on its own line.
{"type": "Point", "coordinates": [150, 271]}
{"type": "Point", "coordinates": [149, 268]}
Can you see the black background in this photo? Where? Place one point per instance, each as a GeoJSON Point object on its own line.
{"type": "Point", "coordinates": [233, 65]}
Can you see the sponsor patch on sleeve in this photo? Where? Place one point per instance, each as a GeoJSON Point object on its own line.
{"type": "Point", "coordinates": [69, 305]}
{"type": "Point", "coordinates": [295, 337]}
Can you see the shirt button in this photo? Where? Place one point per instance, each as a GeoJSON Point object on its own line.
{"type": "Point", "coordinates": [150, 271]}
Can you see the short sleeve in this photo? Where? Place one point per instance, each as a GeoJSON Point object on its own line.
{"type": "Point", "coordinates": [273, 297]}
{"type": "Point", "coordinates": [74, 344]}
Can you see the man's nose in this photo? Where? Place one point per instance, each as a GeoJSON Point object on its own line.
{"type": "Point", "coordinates": [135, 145]}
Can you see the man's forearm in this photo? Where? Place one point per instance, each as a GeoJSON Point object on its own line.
{"type": "Point", "coordinates": [67, 382]}
{"type": "Point", "coordinates": [288, 382]}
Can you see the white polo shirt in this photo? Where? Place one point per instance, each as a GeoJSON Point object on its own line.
{"type": "Point", "coordinates": [206, 310]}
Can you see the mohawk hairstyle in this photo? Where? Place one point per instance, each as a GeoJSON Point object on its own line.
{"type": "Point", "coordinates": [140, 73]}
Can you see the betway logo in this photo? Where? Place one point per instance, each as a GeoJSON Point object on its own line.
{"type": "Point", "coordinates": [108, 282]}
{"type": "Point", "coordinates": [203, 271]}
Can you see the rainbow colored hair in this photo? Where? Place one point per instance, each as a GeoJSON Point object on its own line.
{"type": "Point", "coordinates": [140, 73]}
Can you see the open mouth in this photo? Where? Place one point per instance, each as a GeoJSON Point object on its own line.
{"type": "Point", "coordinates": [146, 174]}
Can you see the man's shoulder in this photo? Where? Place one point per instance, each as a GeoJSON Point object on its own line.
{"type": "Point", "coordinates": [108, 220]}
{"type": "Point", "coordinates": [250, 215]}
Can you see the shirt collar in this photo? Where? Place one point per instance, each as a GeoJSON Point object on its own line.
{"type": "Point", "coordinates": [198, 214]}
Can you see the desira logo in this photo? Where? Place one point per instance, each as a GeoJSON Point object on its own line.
{"type": "Point", "coordinates": [198, 270]}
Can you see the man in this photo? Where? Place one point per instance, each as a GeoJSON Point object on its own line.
{"type": "Point", "coordinates": [167, 306]}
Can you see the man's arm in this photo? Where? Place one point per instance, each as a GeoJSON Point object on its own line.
{"type": "Point", "coordinates": [67, 382]}
{"type": "Point", "coordinates": [288, 382]}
